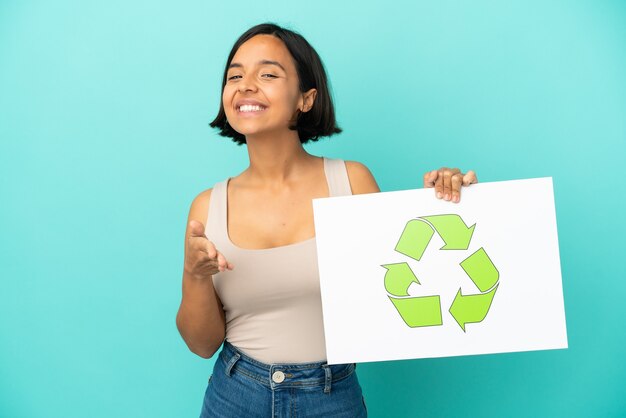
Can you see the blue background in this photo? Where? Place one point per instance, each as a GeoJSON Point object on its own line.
{"type": "Point", "coordinates": [104, 142]}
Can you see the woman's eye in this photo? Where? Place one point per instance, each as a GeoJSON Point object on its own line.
{"type": "Point", "coordinates": [233, 77]}
{"type": "Point", "coordinates": [269, 75]}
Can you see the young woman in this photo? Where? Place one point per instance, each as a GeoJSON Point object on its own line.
{"type": "Point", "coordinates": [250, 277]}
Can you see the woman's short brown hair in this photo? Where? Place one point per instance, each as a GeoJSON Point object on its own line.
{"type": "Point", "coordinates": [319, 121]}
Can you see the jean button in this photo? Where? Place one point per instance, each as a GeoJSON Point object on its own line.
{"type": "Point", "coordinates": [278, 376]}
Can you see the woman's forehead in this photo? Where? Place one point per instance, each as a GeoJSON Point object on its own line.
{"type": "Point", "coordinates": [262, 48]}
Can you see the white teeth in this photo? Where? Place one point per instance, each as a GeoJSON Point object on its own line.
{"type": "Point", "coordinates": [250, 108]}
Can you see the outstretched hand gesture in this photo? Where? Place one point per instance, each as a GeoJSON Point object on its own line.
{"type": "Point", "coordinates": [202, 259]}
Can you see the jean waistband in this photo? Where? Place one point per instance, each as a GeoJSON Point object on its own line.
{"type": "Point", "coordinates": [283, 375]}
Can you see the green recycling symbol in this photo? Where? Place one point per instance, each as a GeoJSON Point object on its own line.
{"type": "Point", "coordinates": [425, 311]}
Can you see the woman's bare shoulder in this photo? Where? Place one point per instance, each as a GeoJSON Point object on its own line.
{"type": "Point", "coordinates": [361, 178]}
{"type": "Point", "coordinates": [200, 207]}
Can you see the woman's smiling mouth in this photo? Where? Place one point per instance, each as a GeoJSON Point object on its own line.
{"type": "Point", "coordinates": [250, 109]}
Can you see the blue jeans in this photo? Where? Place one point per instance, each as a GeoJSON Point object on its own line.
{"type": "Point", "coordinates": [241, 386]}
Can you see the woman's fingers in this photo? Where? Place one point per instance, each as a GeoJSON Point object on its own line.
{"type": "Point", "coordinates": [217, 263]}
{"type": "Point", "coordinates": [443, 185]}
{"type": "Point", "coordinates": [196, 229]}
{"type": "Point", "coordinates": [211, 251]}
{"type": "Point", "coordinates": [447, 186]}
{"type": "Point", "coordinates": [439, 184]}
{"type": "Point", "coordinates": [469, 178]}
{"type": "Point", "coordinates": [429, 179]}
{"type": "Point", "coordinates": [221, 262]}
{"type": "Point", "coordinates": [448, 182]}
{"type": "Point", "coordinates": [196, 238]}
{"type": "Point", "coordinates": [457, 181]}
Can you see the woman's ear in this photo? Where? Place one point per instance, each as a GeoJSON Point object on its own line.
{"type": "Point", "coordinates": [308, 99]}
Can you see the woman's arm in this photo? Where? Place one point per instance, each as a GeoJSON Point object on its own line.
{"type": "Point", "coordinates": [200, 319]}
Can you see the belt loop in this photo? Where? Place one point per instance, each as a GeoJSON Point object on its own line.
{"type": "Point", "coordinates": [231, 363]}
{"type": "Point", "coordinates": [329, 378]}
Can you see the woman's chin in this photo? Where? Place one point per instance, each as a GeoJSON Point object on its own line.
{"type": "Point", "coordinates": [250, 133]}
{"type": "Point", "coordinates": [254, 132]}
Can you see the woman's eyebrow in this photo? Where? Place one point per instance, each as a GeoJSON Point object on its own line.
{"type": "Point", "coordinates": [269, 62]}
{"type": "Point", "coordinates": [262, 62]}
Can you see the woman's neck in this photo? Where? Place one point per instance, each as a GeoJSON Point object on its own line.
{"type": "Point", "coordinates": [276, 159]}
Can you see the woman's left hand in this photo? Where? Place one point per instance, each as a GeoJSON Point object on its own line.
{"type": "Point", "coordinates": [448, 181]}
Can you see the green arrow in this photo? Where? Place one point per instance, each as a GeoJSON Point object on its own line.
{"type": "Point", "coordinates": [452, 230]}
{"type": "Point", "coordinates": [415, 239]}
{"type": "Point", "coordinates": [471, 308]}
{"type": "Point", "coordinates": [481, 270]}
{"type": "Point", "coordinates": [398, 278]}
{"type": "Point", "coordinates": [419, 312]}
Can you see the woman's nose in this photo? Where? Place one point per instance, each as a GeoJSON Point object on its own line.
{"type": "Point", "coordinates": [246, 84]}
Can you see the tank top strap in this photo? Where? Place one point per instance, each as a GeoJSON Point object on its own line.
{"type": "Point", "coordinates": [215, 226]}
{"type": "Point", "coordinates": [337, 177]}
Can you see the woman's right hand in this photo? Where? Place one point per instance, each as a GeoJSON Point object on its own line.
{"type": "Point", "coordinates": [201, 257]}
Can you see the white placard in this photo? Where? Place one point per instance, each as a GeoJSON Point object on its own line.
{"type": "Point", "coordinates": [404, 275]}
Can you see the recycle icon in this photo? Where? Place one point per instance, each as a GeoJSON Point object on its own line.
{"type": "Point", "coordinates": [425, 311]}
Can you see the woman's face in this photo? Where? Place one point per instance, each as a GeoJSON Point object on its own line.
{"type": "Point", "coordinates": [262, 92]}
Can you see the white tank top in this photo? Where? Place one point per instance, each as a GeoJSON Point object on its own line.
{"type": "Point", "coordinates": [271, 299]}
